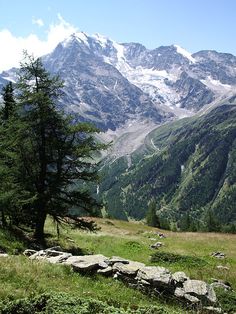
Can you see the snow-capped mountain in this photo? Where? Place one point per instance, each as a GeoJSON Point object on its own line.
{"type": "Point", "coordinates": [169, 75]}
{"type": "Point", "coordinates": [116, 84]}
{"type": "Point", "coordinates": [94, 88]}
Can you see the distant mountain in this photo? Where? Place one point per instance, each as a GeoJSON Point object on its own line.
{"type": "Point", "coordinates": [94, 89]}
{"type": "Point", "coordinates": [115, 84]}
{"type": "Point", "coordinates": [188, 167]}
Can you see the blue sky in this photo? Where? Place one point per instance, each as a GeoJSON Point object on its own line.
{"type": "Point", "coordinates": [193, 24]}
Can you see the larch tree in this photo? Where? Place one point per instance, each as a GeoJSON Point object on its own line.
{"type": "Point", "coordinates": [53, 155]}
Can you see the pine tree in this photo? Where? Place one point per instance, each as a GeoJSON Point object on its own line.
{"type": "Point", "coordinates": [53, 156]}
{"type": "Point", "coordinates": [7, 184]}
{"type": "Point", "coordinates": [8, 101]}
{"type": "Point", "coordinates": [151, 216]}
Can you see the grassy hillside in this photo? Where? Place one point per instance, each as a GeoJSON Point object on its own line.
{"type": "Point", "coordinates": [188, 167]}
{"type": "Point", "coordinates": [189, 252]}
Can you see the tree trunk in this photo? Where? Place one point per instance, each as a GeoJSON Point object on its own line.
{"type": "Point", "coordinates": [39, 227]}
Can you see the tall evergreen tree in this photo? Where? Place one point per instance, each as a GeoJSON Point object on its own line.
{"type": "Point", "coordinates": [52, 155]}
{"type": "Point", "coordinates": [7, 187]}
{"type": "Point", "coordinates": [151, 217]}
{"type": "Point", "coordinates": [8, 101]}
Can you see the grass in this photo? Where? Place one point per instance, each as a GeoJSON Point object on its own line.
{"type": "Point", "coordinates": [22, 278]}
{"type": "Point", "coordinates": [133, 240]}
{"type": "Point", "coordinates": [189, 252]}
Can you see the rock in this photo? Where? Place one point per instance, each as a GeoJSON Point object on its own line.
{"type": "Point", "coordinates": [218, 283]}
{"type": "Point", "coordinates": [87, 262]}
{"type": "Point", "coordinates": [106, 271]}
{"type": "Point", "coordinates": [117, 259]}
{"type": "Point", "coordinates": [179, 292]}
{"type": "Point", "coordinates": [191, 298]}
{"type": "Point", "coordinates": [161, 235]}
{"type": "Point", "coordinates": [199, 289]}
{"type": "Point", "coordinates": [218, 254]}
{"type": "Point", "coordinates": [38, 255]}
{"type": "Point", "coordinates": [179, 277]}
{"type": "Point", "coordinates": [59, 259]}
{"type": "Point", "coordinates": [4, 255]}
{"type": "Point", "coordinates": [157, 276]}
{"type": "Point", "coordinates": [156, 245]}
{"type": "Point", "coordinates": [130, 269]}
{"type": "Point", "coordinates": [220, 267]}
{"type": "Point", "coordinates": [211, 309]}
{"type": "Point", "coordinates": [151, 279]}
{"type": "Point", "coordinates": [29, 252]}
{"type": "Point", "coordinates": [54, 248]}
{"type": "Point", "coordinates": [44, 254]}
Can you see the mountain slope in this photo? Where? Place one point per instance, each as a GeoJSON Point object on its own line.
{"type": "Point", "coordinates": [187, 166]}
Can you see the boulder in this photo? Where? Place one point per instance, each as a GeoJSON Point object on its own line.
{"type": "Point", "coordinates": [218, 283]}
{"type": "Point", "coordinates": [87, 263]}
{"type": "Point", "coordinates": [117, 259]}
{"type": "Point", "coordinates": [156, 245]}
{"type": "Point", "coordinates": [29, 252]}
{"type": "Point", "coordinates": [212, 309]}
{"type": "Point", "coordinates": [59, 258]}
{"type": "Point", "coordinates": [221, 267]}
{"type": "Point", "coordinates": [155, 275]}
{"type": "Point", "coordinates": [196, 291]}
{"type": "Point", "coordinates": [179, 277]}
{"type": "Point", "coordinates": [106, 271]}
{"type": "Point", "coordinates": [129, 269]}
{"type": "Point", "coordinates": [220, 255]}
{"type": "Point", "coordinates": [4, 255]}
{"type": "Point", "coordinates": [45, 254]}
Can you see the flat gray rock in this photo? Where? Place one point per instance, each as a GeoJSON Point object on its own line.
{"type": "Point", "coordinates": [87, 262]}
{"type": "Point", "coordinates": [199, 289]}
{"type": "Point", "coordinates": [117, 259]}
{"type": "Point", "coordinates": [156, 275]}
{"type": "Point", "coordinates": [130, 269]}
{"type": "Point", "coordinates": [106, 271]}
{"type": "Point", "coordinates": [179, 277]}
{"type": "Point", "coordinates": [29, 252]}
{"type": "Point", "coordinates": [59, 259]}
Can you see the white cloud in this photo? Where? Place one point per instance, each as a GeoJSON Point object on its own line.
{"type": "Point", "coordinates": [12, 47]}
{"type": "Point", "coordinates": [38, 22]}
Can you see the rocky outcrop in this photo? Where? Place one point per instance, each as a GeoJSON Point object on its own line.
{"type": "Point", "coordinates": [151, 279]}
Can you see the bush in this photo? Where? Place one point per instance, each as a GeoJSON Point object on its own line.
{"type": "Point", "coordinates": [176, 258]}
{"type": "Point", "coordinates": [62, 303]}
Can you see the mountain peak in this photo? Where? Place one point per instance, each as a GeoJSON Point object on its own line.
{"type": "Point", "coordinates": [185, 53]}
{"type": "Point", "coordinates": [101, 39]}
{"type": "Point", "coordinates": [81, 37]}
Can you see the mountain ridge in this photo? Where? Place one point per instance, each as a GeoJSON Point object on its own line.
{"type": "Point", "coordinates": [113, 84]}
